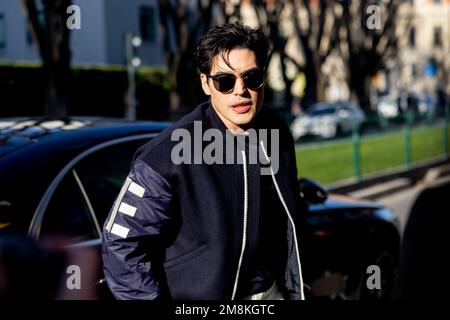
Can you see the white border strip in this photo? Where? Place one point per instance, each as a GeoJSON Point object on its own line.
{"type": "Point", "coordinates": [125, 208]}
{"type": "Point", "coordinates": [119, 230]}
{"type": "Point", "coordinates": [136, 189]}
{"type": "Point", "coordinates": [116, 204]}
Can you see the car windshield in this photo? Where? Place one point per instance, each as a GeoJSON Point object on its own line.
{"type": "Point", "coordinates": [321, 111]}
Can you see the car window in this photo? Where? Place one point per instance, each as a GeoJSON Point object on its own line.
{"type": "Point", "coordinates": [322, 111]}
{"type": "Point", "coordinates": [68, 213]}
{"type": "Point", "coordinates": [15, 213]}
{"type": "Point", "coordinates": [103, 173]}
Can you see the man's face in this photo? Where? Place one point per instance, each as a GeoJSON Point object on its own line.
{"type": "Point", "coordinates": [238, 107]}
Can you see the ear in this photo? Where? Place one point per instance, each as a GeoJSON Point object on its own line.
{"type": "Point", "coordinates": [205, 86]}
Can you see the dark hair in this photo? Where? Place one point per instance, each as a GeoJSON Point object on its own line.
{"type": "Point", "coordinates": [222, 39]}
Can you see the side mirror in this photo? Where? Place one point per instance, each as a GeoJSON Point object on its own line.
{"type": "Point", "coordinates": [311, 191]}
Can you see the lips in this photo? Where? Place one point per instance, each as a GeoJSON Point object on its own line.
{"type": "Point", "coordinates": [242, 107]}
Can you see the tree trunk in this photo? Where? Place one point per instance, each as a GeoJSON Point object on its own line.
{"type": "Point", "coordinates": [52, 39]}
{"type": "Point", "coordinates": [360, 87]}
{"type": "Point", "coordinates": [312, 74]}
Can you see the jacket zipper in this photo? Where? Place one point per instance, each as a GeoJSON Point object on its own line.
{"type": "Point", "coordinates": [244, 233]}
{"type": "Point", "coordinates": [302, 295]}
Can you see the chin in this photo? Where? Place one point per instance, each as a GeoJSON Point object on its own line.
{"type": "Point", "coordinates": [244, 124]}
{"type": "Point", "coordinates": [244, 119]}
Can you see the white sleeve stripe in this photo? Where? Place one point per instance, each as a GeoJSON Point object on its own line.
{"type": "Point", "coordinates": [119, 230]}
{"type": "Point", "coordinates": [136, 189]}
{"type": "Point", "coordinates": [116, 205]}
{"type": "Point", "coordinates": [127, 209]}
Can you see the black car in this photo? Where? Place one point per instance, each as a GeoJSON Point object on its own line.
{"type": "Point", "coordinates": [60, 177]}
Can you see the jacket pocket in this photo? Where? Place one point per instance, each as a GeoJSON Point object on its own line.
{"type": "Point", "coordinates": [185, 257]}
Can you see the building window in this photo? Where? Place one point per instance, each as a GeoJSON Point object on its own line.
{"type": "Point", "coordinates": [412, 37]}
{"type": "Point", "coordinates": [437, 37]}
{"type": "Point", "coordinates": [41, 17]}
{"type": "Point", "coordinates": [2, 31]}
{"type": "Point", "coordinates": [414, 70]}
{"type": "Point", "coordinates": [28, 35]}
{"type": "Point", "coordinates": [147, 24]}
{"type": "Point", "coordinates": [28, 28]}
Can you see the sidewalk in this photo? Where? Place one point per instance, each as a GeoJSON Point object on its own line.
{"type": "Point", "coordinates": [385, 184]}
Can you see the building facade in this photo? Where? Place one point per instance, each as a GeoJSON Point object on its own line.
{"type": "Point", "coordinates": [423, 61]}
{"type": "Point", "coordinates": [100, 40]}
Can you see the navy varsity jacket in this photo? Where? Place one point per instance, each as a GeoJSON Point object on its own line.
{"type": "Point", "coordinates": [179, 230]}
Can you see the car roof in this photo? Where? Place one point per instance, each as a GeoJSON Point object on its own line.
{"type": "Point", "coordinates": [336, 202]}
{"type": "Point", "coordinates": [19, 133]}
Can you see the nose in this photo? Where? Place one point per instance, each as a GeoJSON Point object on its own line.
{"type": "Point", "coordinates": [239, 86]}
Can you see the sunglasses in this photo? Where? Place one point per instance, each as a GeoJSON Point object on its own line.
{"type": "Point", "coordinates": [224, 82]}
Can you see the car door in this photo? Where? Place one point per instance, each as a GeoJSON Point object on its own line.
{"type": "Point", "coordinates": [78, 201]}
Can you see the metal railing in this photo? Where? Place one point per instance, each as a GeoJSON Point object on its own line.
{"type": "Point", "coordinates": [402, 142]}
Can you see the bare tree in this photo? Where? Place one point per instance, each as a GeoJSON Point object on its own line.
{"type": "Point", "coordinates": [268, 15]}
{"type": "Point", "coordinates": [318, 40]}
{"type": "Point", "coordinates": [368, 46]}
{"type": "Point", "coordinates": [326, 26]}
{"type": "Point", "coordinates": [182, 24]}
{"type": "Point", "coordinates": [47, 22]}
{"type": "Point", "coordinates": [315, 40]}
{"type": "Point", "coordinates": [320, 27]}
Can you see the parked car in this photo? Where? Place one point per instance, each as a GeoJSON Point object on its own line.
{"type": "Point", "coordinates": [328, 120]}
{"type": "Point", "coordinates": [388, 107]}
{"type": "Point", "coordinates": [342, 238]}
{"type": "Point", "coordinates": [61, 177]}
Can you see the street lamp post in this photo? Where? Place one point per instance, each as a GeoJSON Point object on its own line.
{"type": "Point", "coordinates": [133, 62]}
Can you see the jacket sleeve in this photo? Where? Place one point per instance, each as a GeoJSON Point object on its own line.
{"type": "Point", "coordinates": [132, 246]}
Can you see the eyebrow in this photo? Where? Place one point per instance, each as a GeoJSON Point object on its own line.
{"type": "Point", "coordinates": [224, 72]}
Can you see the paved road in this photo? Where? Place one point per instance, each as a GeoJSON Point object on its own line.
{"type": "Point", "coordinates": [402, 201]}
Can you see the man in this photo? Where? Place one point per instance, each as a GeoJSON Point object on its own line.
{"type": "Point", "coordinates": [212, 230]}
